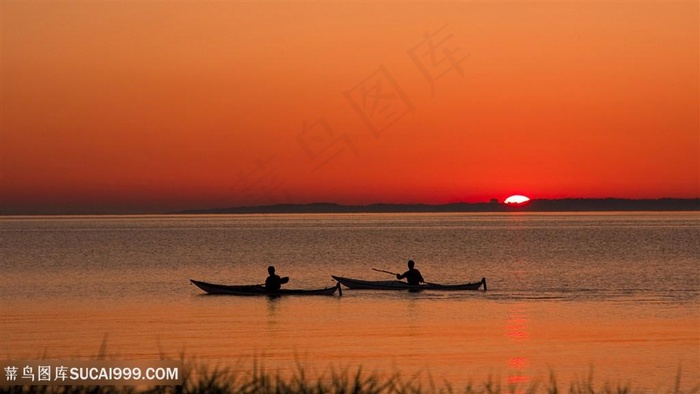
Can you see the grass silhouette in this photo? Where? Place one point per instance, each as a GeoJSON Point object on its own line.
{"type": "Point", "coordinates": [199, 378]}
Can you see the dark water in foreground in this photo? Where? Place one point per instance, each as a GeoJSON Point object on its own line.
{"type": "Point", "coordinates": [616, 292]}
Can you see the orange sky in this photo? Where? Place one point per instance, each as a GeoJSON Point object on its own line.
{"type": "Point", "coordinates": [157, 106]}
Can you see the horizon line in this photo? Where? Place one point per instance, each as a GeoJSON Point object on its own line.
{"type": "Point", "coordinates": [567, 204]}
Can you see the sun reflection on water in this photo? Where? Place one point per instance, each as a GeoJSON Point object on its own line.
{"type": "Point", "coordinates": [517, 331]}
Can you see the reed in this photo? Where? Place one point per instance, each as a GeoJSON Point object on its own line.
{"type": "Point", "coordinates": [200, 378]}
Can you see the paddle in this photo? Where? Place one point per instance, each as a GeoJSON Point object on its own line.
{"type": "Point", "coordinates": [394, 273]}
{"type": "Point", "coordinates": [386, 272]}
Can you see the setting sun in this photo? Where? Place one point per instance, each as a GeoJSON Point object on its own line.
{"type": "Point", "coordinates": [517, 199]}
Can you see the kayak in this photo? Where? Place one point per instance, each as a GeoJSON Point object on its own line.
{"type": "Point", "coordinates": [253, 290]}
{"type": "Point", "coordinates": [398, 285]}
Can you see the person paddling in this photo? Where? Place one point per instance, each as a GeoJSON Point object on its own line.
{"type": "Point", "coordinates": [413, 276]}
{"type": "Point", "coordinates": [273, 281]}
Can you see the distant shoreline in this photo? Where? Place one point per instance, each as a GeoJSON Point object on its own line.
{"type": "Point", "coordinates": [541, 205]}
{"type": "Point", "coordinates": [544, 205]}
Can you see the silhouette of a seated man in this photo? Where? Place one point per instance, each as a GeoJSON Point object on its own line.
{"type": "Point", "coordinates": [273, 281]}
{"type": "Point", "coordinates": [413, 276]}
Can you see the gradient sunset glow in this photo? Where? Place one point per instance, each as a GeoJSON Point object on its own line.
{"type": "Point", "coordinates": [157, 107]}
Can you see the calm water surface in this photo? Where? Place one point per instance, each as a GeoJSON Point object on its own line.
{"type": "Point", "coordinates": [618, 293]}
